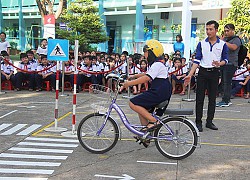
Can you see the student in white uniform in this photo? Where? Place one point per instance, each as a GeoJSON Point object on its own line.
{"type": "Point", "coordinates": [7, 71]}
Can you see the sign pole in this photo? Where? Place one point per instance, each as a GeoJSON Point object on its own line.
{"type": "Point", "coordinates": [63, 79]}
{"type": "Point", "coordinates": [73, 132]}
{"type": "Point", "coordinates": [56, 128]}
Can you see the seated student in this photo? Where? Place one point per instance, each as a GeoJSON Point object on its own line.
{"type": "Point", "coordinates": [97, 69]}
{"type": "Point", "coordinates": [7, 71]}
{"type": "Point", "coordinates": [68, 74]}
{"type": "Point", "coordinates": [47, 75]}
{"type": "Point", "coordinates": [177, 77]}
{"type": "Point", "coordinates": [84, 77]}
{"type": "Point", "coordinates": [32, 60]}
{"type": "Point", "coordinates": [114, 73]}
{"type": "Point", "coordinates": [123, 68]}
{"type": "Point", "coordinates": [143, 69]}
{"type": "Point", "coordinates": [22, 74]}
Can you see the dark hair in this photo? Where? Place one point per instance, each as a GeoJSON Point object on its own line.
{"type": "Point", "coordinates": [215, 23]}
{"type": "Point", "coordinates": [43, 56]}
{"type": "Point", "coordinates": [30, 52]}
{"type": "Point", "coordinates": [179, 36]}
{"type": "Point", "coordinates": [229, 26]}
{"type": "Point", "coordinates": [177, 59]}
{"type": "Point", "coordinates": [3, 33]}
{"type": "Point", "coordinates": [23, 55]}
{"type": "Point", "coordinates": [4, 53]}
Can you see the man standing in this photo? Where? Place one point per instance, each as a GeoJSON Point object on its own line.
{"type": "Point", "coordinates": [233, 42]}
{"type": "Point", "coordinates": [211, 53]}
{"type": "Point", "coordinates": [4, 45]}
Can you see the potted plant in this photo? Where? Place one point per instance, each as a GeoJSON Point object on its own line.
{"type": "Point", "coordinates": [155, 28]}
{"type": "Point", "coordinates": [145, 29]}
{"type": "Point", "coordinates": [172, 27]}
{"type": "Point", "coordinates": [163, 28]}
{"type": "Point", "coordinates": [13, 49]}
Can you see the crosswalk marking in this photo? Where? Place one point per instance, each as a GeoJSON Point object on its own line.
{"type": "Point", "coordinates": [14, 129]}
{"type": "Point", "coordinates": [52, 139]}
{"type": "Point", "coordinates": [30, 163]}
{"type": "Point", "coordinates": [21, 178]}
{"type": "Point", "coordinates": [25, 171]}
{"type": "Point", "coordinates": [41, 150]}
{"type": "Point", "coordinates": [29, 130]}
{"type": "Point", "coordinates": [46, 144]}
{"type": "Point", "coordinates": [31, 156]}
{"type": "Point", "coordinates": [3, 126]}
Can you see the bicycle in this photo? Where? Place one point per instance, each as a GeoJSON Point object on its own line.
{"type": "Point", "coordinates": [176, 137]}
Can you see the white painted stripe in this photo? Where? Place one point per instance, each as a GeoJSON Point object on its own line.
{"type": "Point", "coordinates": [46, 144]}
{"type": "Point", "coordinates": [26, 171]}
{"type": "Point", "coordinates": [3, 126]}
{"type": "Point", "coordinates": [152, 162]}
{"type": "Point", "coordinates": [21, 178]}
{"type": "Point", "coordinates": [29, 130]}
{"type": "Point", "coordinates": [40, 150]}
{"type": "Point", "coordinates": [7, 114]}
{"type": "Point", "coordinates": [30, 156]}
{"type": "Point", "coordinates": [51, 139]}
{"type": "Point", "coordinates": [30, 163]}
{"type": "Point", "coordinates": [14, 129]}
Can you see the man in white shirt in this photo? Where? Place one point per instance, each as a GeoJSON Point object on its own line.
{"type": "Point", "coordinates": [4, 45]}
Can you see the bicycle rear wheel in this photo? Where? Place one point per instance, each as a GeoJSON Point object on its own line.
{"type": "Point", "coordinates": [87, 133]}
{"type": "Point", "coordinates": [179, 145]}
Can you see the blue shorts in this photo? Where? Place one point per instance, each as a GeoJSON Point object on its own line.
{"type": "Point", "coordinates": [159, 91]}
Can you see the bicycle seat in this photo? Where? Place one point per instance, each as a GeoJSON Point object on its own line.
{"type": "Point", "coordinates": [179, 112]}
{"type": "Point", "coordinates": [162, 104]}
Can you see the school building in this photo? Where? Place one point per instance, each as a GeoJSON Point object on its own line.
{"type": "Point", "coordinates": [128, 23]}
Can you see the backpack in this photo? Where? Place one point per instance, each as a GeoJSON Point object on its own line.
{"type": "Point", "coordinates": [242, 51]}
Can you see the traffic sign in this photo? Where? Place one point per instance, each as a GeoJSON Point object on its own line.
{"type": "Point", "coordinates": [58, 49]}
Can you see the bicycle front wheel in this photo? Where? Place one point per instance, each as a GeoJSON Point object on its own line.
{"type": "Point", "coordinates": [179, 145]}
{"type": "Point", "coordinates": [87, 133]}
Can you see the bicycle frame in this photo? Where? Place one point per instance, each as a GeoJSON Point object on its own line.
{"type": "Point", "coordinates": [130, 127]}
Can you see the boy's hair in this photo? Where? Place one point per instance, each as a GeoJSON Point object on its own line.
{"type": "Point", "coordinates": [215, 23]}
{"type": "Point", "coordinates": [23, 55]}
{"type": "Point", "coordinates": [30, 52]}
{"type": "Point", "coordinates": [229, 26]}
{"type": "Point", "coordinates": [43, 56]}
{"type": "Point", "coordinates": [3, 33]}
{"type": "Point", "coordinates": [89, 57]}
{"type": "Point", "coordinates": [4, 53]}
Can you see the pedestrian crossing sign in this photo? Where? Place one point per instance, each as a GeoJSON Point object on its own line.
{"type": "Point", "coordinates": [58, 49]}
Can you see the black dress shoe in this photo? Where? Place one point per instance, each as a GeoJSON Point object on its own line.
{"type": "Point", "coordinates": [199, 127]}
{"type": "Point", "coordinates": [211, 126]}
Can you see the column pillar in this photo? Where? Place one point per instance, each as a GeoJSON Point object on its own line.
{"type": "Point", "coordinates": [186, 26]}
{"type": "Point", "coordinates": [1, 17]}
{"type": "Point", "coordinates": [21, 27]}
{"type": "Point", "coordinates": [103, 47]}
{"type": "Point", "coordinates": [139, 22]}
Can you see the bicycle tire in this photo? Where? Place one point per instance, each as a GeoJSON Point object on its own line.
{"type": "Point", "coordinates": [179, 139]}
{"type": "Point", "coordinates": [87, 133]}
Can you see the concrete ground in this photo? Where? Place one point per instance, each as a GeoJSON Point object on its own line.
{"type": "Point", "coordinates": [224, 154]}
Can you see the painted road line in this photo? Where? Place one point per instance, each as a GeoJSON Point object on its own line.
{"type": "Point", "coordinates": [14, 129]}
{"type": "Point", "coordinates": [41, 150]}
{"type": "Point", "coordinates": [21, 178]}
{"type": "Point", "coordinates": [29, 130]}
{"type": "Point", "coordinates": [3, 126]}
{"type": "Point", "coordinates": [47, 144]}
{"type": "Point", "coordinates": [7, 114]}
{"type": "Point", "coordinates": [152, 162]}
{"type": "Point", "coordinates": [26, 171]}
{"type": "Point", "coordinates": [31, 156]}
{"type": "Point", "coordinates": [30, 163]}
{"type": "Point", "coordinates": [52, 140]}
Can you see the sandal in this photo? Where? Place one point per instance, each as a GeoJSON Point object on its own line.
{"type": "Point", "coordinates": [144, 142]}
{"type": "Point", "coordinates": [182, 93]}
{"type": "Point", "coordinates": [150, 129]}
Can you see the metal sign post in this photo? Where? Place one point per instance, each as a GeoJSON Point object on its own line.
{"type": "Point", "coordinates": [63, 79]}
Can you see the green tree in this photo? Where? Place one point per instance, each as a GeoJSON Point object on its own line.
{"type": "Point", "coordinates": [239, 15]}
{"type": "Point", "coordinates": [83, 24]}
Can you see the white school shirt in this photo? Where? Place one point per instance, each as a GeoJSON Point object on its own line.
{"type": "Point", "coordinates": [180, 72]}
{"type": "Point", "coordinates": [27, 67]}
{"type": "Point", "coordinates": [34, 63]}
{"type": "Point", "coordinates": [123, 68]}
{"type": "Point", "coordinates": [6, 68]}
{"type": "Point", "coordinates": [41, 67]}
{"type": "Point", "coordinates": [86, 68]}
{"type": "Point", "coordinates": [242, 76]}
{"type": "Point", "coordinates": [41, 50]}
{"type": "Point", "coordinates": [157, 70]}
{"type": "Point", "coordinates": [96, 68]}
{"type": "Point", "coordinates": [4, 46]}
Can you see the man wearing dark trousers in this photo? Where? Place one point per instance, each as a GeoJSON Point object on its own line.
{"type": "Point", "coordinates": [227, 71]}
{"type": "Point", "coordinates": [211, 53]}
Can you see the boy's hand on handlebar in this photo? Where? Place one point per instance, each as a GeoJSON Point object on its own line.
{"type": "Point", "coordinates": [125, 84]}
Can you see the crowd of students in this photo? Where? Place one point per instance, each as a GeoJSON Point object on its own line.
{"type": "Point", "coordinates": [36, 71]}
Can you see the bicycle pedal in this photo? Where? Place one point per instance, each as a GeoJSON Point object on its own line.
{"type": "Point", "coordinates": [145, 135]}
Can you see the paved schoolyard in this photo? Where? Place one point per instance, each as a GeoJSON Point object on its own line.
{"type": "Point", "coordinates": [224, 154]}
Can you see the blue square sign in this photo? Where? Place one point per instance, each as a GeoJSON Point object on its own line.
{"type": "Point", "coordinates": [58, 49]}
